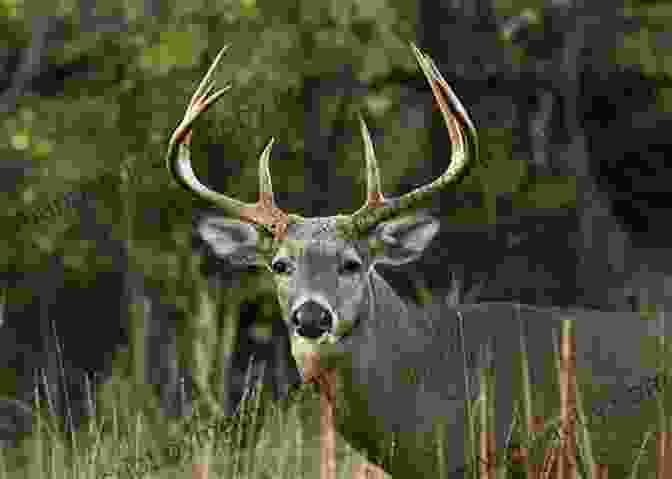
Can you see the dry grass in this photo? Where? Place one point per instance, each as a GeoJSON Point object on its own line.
{"type": "Point", "coordinates": [129, 438]}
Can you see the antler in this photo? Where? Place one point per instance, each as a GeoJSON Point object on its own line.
{"type": "Point", "coordinates": [178, 160]}
{"type": "Point", "coordinates": [377, 208]}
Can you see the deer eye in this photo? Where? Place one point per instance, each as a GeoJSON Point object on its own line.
{"type": "Point", "coordinates": [351, 266]}
{"type": "Point", "coordinates": [282, 267]}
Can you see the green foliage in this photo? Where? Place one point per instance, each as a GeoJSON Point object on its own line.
{"type": "Point", "coordinates": [124, 112]}
{"type": "Point", "coordinates": [548, 192]}
{"type": "Point", "coordinates": [115, 123]}
{"type": "Point", "coordinates": [11, 9]}
{"type": "Point", "coordinates": [515, 7]}
{"type": "Point", "coordinates": [500, 171]}
{"type": "Point", "coordinates": [644, 50]}
{"type": "Point", "coordinates": [175, 47]}
{"type": "Point", "coordinates": [648, 47]}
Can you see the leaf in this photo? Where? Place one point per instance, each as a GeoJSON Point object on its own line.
{"type": "Point", "coordinates": [370, 9]}
{"type": "Point", "coordinates": [176, 48]}
{"type": "Point", "coordinates": [376, 63]}
{"type": "Point", "coordinates": [548, 192]}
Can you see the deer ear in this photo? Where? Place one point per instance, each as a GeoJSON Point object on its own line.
{"type": "Point", "coordinates": [402, 240]}
{"type": "Point", "coordinates": [232, 240]}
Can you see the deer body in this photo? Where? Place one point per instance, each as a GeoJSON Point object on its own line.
{"type": "Point", "coordinates": [400, 381]}
{"type": "Point", "coordinates": [398, 378]}
{"type": "Point", "coordinates": [396, 372]}
{"type": "Point", "coordinates": [401, 387]}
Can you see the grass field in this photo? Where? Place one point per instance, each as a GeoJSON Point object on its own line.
{"type": "Point", "coordinates": [129, 438]}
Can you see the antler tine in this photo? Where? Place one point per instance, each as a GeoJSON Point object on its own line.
{"type": "Point", "coordinates": [374, 195]}
{"type": "Point", "coordinates": [207, 84]}
{"type": "Point", "coordinates": [265, 184]}
{"type": "Point", "coordinates": [178, 161]}
{"type": "Point", "coordinates": [376, 208]}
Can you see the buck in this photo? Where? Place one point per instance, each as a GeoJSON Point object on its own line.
{"type": "Point", "coordinates": [398, 369]}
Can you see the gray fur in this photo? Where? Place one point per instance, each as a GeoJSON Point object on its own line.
{"type": "Point", "coordinates": [400, 369]}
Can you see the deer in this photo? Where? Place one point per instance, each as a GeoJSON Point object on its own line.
{"type": "Point", "coordinates": [396, 368]}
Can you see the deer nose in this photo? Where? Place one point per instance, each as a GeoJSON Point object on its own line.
{"type": "Point", "coordinates": [312, 320]}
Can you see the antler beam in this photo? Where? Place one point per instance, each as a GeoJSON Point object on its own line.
{"type": "Point", "coordinates": [178, 160]}
{"type": "Point", "coordinates": [377, 208]}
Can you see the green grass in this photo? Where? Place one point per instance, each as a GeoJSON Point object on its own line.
{"type": "Point", "coordinates": [129, 437]}
{"type": "Point", "coordinates": [263, 440]}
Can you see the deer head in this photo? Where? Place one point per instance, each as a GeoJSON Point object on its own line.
{"type": "Point", "coordinates": [323, 266]}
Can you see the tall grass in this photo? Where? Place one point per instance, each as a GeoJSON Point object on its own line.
{"type": "Point", "coordinates": [557, 435]}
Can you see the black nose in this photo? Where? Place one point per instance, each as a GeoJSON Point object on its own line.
{"type": "Point", "coordinates": [312, 320]}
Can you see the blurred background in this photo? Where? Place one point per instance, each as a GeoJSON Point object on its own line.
{"type": "Point", "coordinates": [99, 266]}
